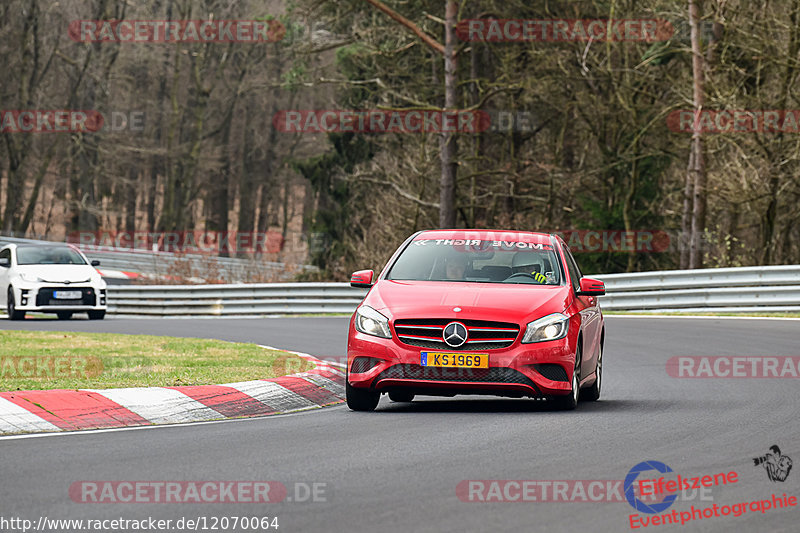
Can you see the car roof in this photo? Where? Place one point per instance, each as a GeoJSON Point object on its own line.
{"type": "Point", "coordinates": [486, 235]}
{"type": "Point", "coordinates": [45, 245]}
{"type": "Point", "coordinates": [15, 245]}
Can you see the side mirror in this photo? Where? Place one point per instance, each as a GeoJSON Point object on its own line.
{"type": "Point", "coordinates": [95, 263]}
{"type": "Point", "coordinates": [5, 262]}
{"type": "Point", "coordinates": [362, 279]}
{"type": "Point", "coordinates": [592, 287]}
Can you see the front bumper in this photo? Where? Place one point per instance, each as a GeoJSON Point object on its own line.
{"type": "Point", "coordinates": [535, 370]}
{"type": "Point", "coordinates": [43, 298]}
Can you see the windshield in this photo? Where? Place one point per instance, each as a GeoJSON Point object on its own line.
{"type": "Point", "coordinates": [48, 255]}
{"type": "Point", "coordinates": [478, 261]}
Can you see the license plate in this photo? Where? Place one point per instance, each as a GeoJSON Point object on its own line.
{"type": "Point", "coordinates": [67, 295]}
{"type": "Point", "coordinates": [457, 360]}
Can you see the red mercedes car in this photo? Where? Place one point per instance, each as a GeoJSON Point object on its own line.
{"type": "Point", "coordinates": [506, 313]}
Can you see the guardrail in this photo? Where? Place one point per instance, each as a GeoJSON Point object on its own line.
{"type": "Point", "coordinates": [759, 289]}
{"type": "Point", "coordinates": [238, 299]}
{"type": "Point", "coordinates": [747, 289]}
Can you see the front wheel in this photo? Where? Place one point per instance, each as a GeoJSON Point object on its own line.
{"type": "Point", "coordinates": [569, 401]}
{"type": "Point", "coordinates": [96, 315]}
{"type": "Point", "coordinates": [11, 306]}
{"type": "Point", "coordinates": [361, 399]}
{"type": "Point", "coordinates": [592, 394]}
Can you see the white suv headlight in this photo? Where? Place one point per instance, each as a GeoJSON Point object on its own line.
{"type": "Point", "coordinates": [547, 328]}
{"type": "Point", "coordinates": [371, 322]}
{"type": "Point", "coordinates": [30, 278]}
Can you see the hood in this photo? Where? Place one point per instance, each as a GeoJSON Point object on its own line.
{"type": "Point", "coordinates": [502, 302]}
{"type": "Point", "coordinates": [59, 273]}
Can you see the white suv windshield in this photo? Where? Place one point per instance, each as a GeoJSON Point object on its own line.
{"type": "Point", "coordinates": [478, 261]}
{"type": "Point", "coordinates": [48, 255]}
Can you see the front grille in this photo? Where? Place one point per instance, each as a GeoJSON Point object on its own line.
{"type": "Point", "coordinates": [482, 334]}
{"type": "Point", "coordinates": [552, 371]}
{"type": "Point", "coordinates": [45, 296]}
{"type": "Point", "coordinates": [471, 375]}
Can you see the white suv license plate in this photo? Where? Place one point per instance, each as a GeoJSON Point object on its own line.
{"type": "Point", "coordinates": [67, 295]}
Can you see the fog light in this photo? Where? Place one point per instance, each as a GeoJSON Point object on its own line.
{"type": "Point", "coordinates": [364, 364]}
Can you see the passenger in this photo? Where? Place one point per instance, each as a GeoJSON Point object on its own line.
{"type": "Point", "coordinates": [455, 267]}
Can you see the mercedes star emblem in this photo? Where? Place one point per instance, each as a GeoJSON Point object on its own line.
{"type": "Point", "coordinates": [455, 334]}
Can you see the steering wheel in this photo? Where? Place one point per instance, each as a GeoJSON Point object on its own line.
{"type": "Point", "coordinates": [525, 275]}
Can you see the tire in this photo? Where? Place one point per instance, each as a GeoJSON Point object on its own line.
{"type": "Point", "coordinates": [592, 394]}
{"type": "Point", "coordinates": [401, 396]}
{"type": "Point", "coordinates": [361, 399]}
{"type": "Point", "coordinates": [64, 315]}
{"type": "Point", "coordinates": [569, 401]}
{"type": "Point", "coordinates": [96, 315]}
{"type": "Point", "coordinates": [13, 314]}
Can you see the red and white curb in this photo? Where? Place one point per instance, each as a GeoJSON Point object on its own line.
{"type": "Point", "coordinates": [118, 274]}
{"type": "Point", "coordinates": [71, 410]}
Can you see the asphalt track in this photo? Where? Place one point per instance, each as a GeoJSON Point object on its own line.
{"type": "Point", "coordinates": [397, 469]}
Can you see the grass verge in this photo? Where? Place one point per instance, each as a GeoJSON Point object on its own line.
{"type": "Point", "coordinates": [39, 360]}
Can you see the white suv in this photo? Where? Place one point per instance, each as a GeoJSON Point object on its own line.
{"type": "Point", "coordinates": [50, 278]}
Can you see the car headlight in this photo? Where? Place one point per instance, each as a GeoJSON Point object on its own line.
{"type": "Point", "coordinates": [371, 322]}
{"type": "Point", "coordinates": [547, 328]}
{"type": "Point", "coordinates": [30, 278]}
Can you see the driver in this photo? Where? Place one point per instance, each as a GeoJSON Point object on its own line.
{"type": "Point", "coordinates": [528, 263]}
{"type": "Point", "coordinates": [63, 258]}
{"type": "Point", "coordinates": [455, 266]}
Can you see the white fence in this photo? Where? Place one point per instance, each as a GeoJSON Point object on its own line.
{"type": "Point", "coordinates": [750, 289]}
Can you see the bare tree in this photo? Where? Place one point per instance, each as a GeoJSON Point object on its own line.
{"type": "Point", "coordinates": [697, 167]}
{"type": "Point", "coordinates": [448, 141]}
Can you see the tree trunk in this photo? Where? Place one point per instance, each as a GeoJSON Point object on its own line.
{"type": "Point", "coordinates": [777, 173]}
{"type": "Point", "coordinates": [448, 142]}
{"type": "Point", "coordinates": [686, 218]}
{"type": "Point", "coordinates": [217, 200]}
{"type": "Point", "coordinates": [13, 184]}
{"type": "Point", "coordinates": [699, 167]}
{"type": "Point", "coordinates": [247, 181]}
{"type": "Point", "coordinates": [33, 201]}
{"type": "Point", "coordinates": [131, 191]}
